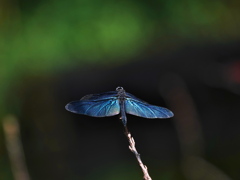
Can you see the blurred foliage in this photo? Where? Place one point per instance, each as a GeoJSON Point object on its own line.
{"type": "Point", "coordinates": [51, 34]}
{"type": "Point", "coordinates": [47, 35]}
{"type": "Point", "coordinates": [58, 31]}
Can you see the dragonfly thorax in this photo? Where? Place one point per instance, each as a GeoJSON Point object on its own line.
{"type": "Point", "coordinates": [121, 93]}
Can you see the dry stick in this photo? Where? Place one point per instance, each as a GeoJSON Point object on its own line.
{"type": "Point", "coordinates": [134, 150]}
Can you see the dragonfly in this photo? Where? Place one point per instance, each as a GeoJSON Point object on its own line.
{"type": "Point", "coordinates": [117, 102]}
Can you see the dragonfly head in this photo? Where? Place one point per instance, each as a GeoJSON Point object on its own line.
{"type": "Point", "coordinates": [119, 88]}
{"type": "Point", "coordinates": [120, 92]}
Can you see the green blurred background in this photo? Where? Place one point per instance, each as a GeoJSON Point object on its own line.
{"type": "Point", "coordinates": [179, 54]}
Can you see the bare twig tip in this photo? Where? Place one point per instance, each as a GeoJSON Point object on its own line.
{"type": "Point", "coordinates": [134, 150]}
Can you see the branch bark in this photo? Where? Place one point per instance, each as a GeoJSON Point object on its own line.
{"type": "Point", "coordinates": [132, 148]}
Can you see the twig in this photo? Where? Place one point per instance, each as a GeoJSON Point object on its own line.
{"type": "Point", "coordinates": [134, 150]}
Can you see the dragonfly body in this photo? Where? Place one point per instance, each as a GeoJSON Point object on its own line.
{"type": "Point", "coordinates": [116, 102]}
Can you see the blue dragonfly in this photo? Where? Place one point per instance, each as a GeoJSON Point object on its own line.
{"type": "Point", "coordinates": [116, 102]}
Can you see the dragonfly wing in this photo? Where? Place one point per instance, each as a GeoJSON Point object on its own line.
{"type": "Point", "coordinates": [131, 96]}
{"type": "Point", "coordinates": [100, 96]}
{"type": "Point", "coordinates": [145, 110]}
{"type": "Point", "coordinates": [95, 108]}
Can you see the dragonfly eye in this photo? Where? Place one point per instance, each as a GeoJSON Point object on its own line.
{"type": "Point", "coordinates": [119, 88]}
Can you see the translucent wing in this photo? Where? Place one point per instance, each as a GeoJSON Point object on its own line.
{"type": "Point", "coordinates": [95, 107]}
{"type": "Point", "coordinates": [131, 96]}
{"type": "Point", "coordinates": [100, 96]}
{"type": "Point", "coordinates": [143, 109]}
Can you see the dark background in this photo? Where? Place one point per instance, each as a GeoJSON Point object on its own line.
{"type": "Point", "coordinates": [183, 55]}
